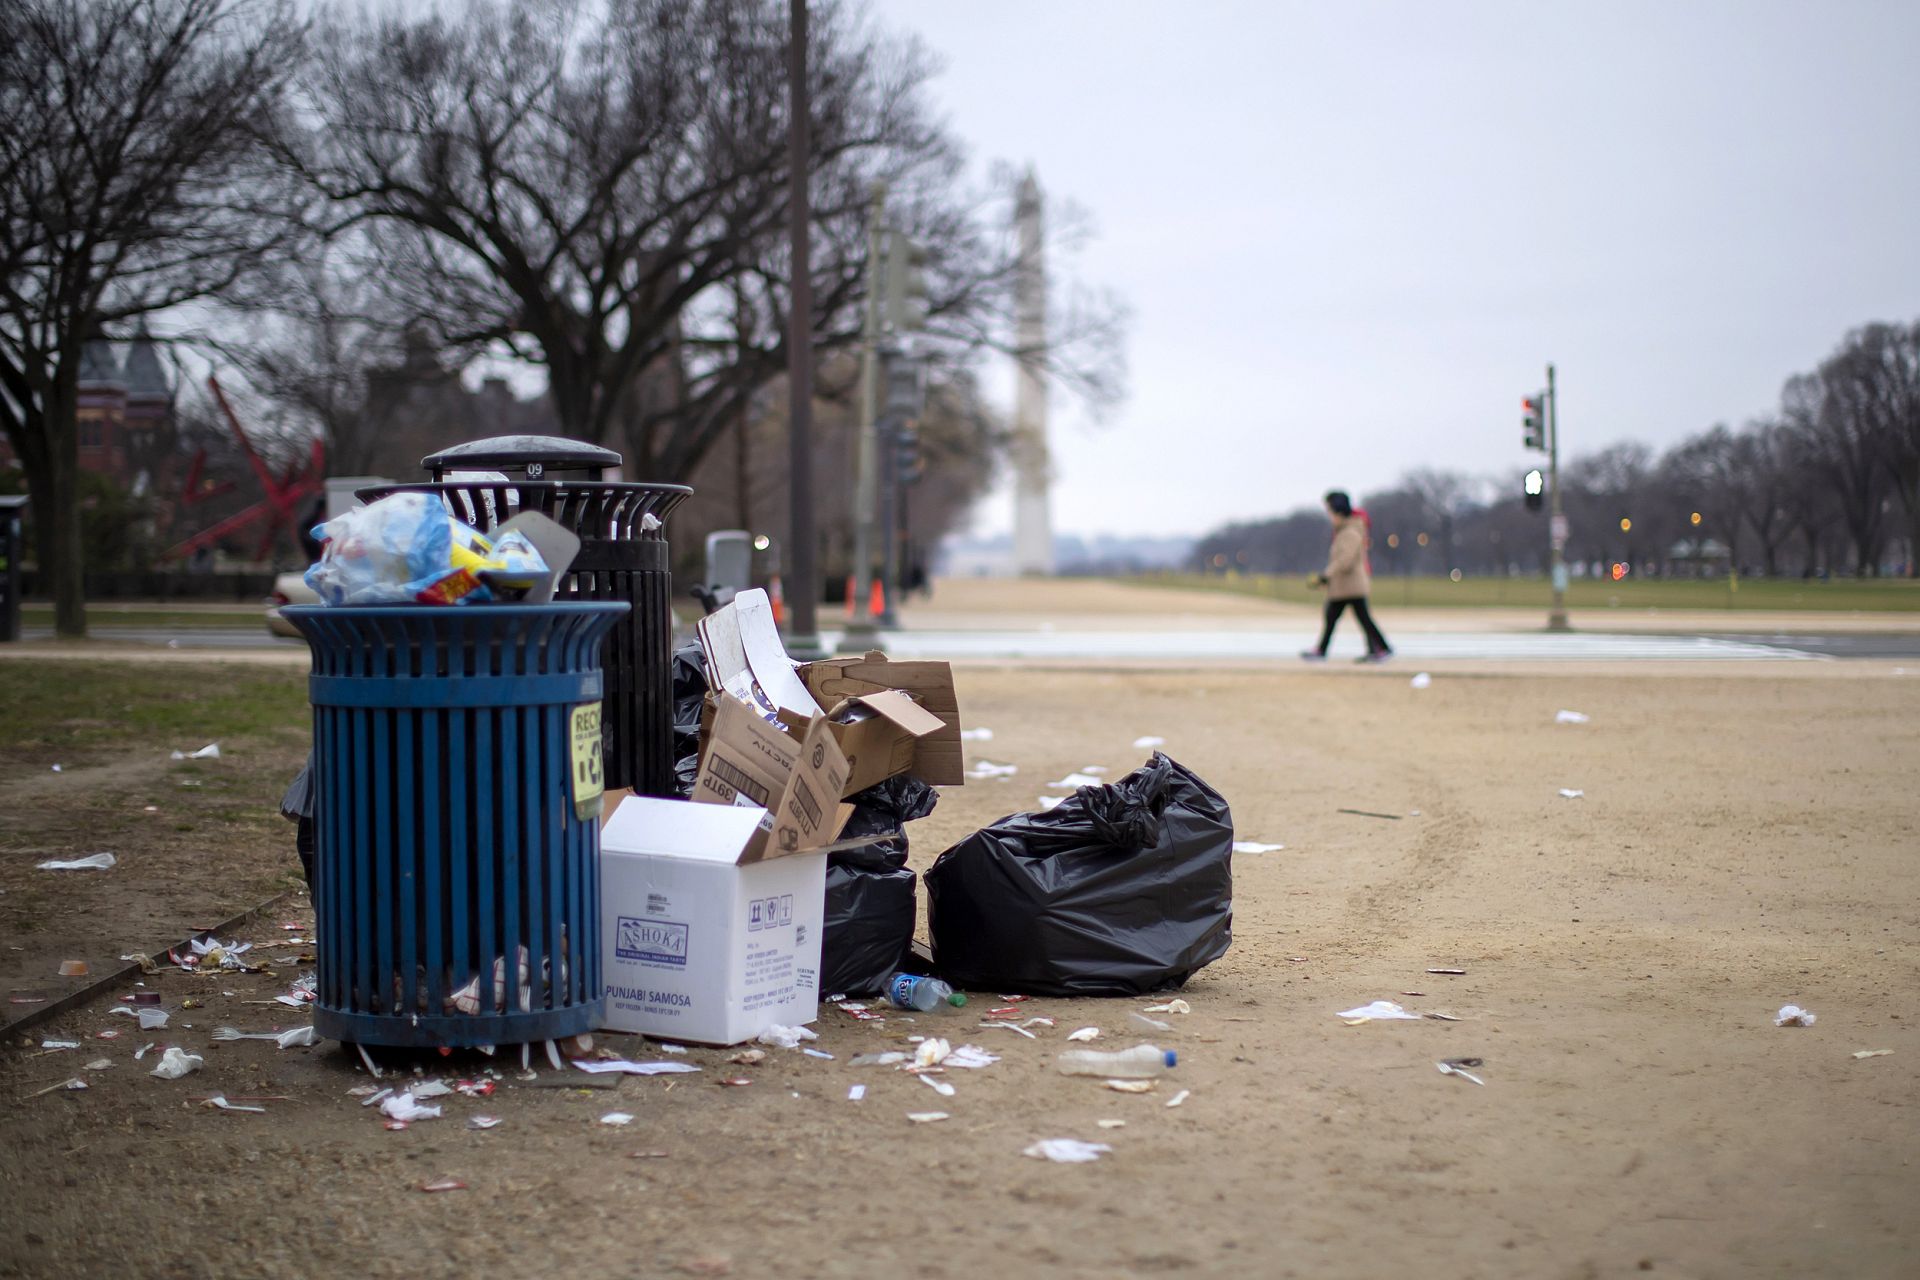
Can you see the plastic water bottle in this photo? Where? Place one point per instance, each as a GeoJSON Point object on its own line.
{"type": "Point", "coordinates": [922, 994]}
{"type": "Point", "coordinates": [1142, 1062]}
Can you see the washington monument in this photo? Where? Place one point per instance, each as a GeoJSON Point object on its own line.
{"type": "Point", "coordinates": [1032, 513]}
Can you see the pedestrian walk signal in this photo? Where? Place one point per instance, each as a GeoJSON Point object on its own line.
{"type": "Point", "coordinates": [1536, 486]}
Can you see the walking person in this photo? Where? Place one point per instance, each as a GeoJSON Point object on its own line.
{"type": "Point", "coordinates": [1347, 580]}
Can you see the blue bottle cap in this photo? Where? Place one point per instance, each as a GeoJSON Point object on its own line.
{"type": "Point", "coordinates": [1173, 1059]}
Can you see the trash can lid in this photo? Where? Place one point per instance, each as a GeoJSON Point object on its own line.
{"type": "Point", "coordinates": [534, 454]}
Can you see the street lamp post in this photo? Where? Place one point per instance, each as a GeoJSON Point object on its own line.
{"type": "Point", "coordinates": [804, 638]}
{"type": "Point", "coordinates": [1556, 519]}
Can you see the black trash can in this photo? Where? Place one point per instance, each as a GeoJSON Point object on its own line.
{"type": "Point", "coordinates": [623, 556]}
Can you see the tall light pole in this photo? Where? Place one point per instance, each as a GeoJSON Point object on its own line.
{"type": "Point", "coordinates": [1556, 519]}
{"type": "Point", "coordinates": [804, 638]}
{"type": "Point", "coordinates": [860, 634]}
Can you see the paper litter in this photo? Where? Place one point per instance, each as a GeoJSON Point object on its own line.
{"type": "Point", "coordinates": [855, 1092]}
{"type": "Point", "coordinates": [1571, 793]}
{"type": "Point", "coordinates": [209, 752]}
{"type": "Point", "coordinates": [92, 862]}
{"type": "Point", "coordinates": [598, 1067]}
{"type": "Point", "coordinates": [1179, 1097]}
{"type": "Point", "coordinates": [1254, 846]}
{"type": "Point", "coordinates": [1148, 744]}
{"type": "Point", "coordinates": [177, 1062]}
{"type": "Point", "coordinates": [926, 1117]}
{"type": "Point", "coordinates": [1570, 717]}
{"type": "Point", "coordinates": [1129, 1086]}
{"type": "Point", "coordinates": [1084, 1033]}
{"type": "Point", "coordinates": [402, 1107]}
{"type": "Point", "coordinates": [99, 1064]}
{"type": "Point", "coordinates": [1792, 1015]}
{"type": "Point", "coordinates": [59, 1044]}
{"type": "Point", "coordinates": [931, 1052]}
{"type": "Point", "coordinates": [1378, 1011]}
{"type": "Point", "coordinates": [786, 1037]}
{"type": "Point", "coordinates": [1421, 680]}
{"type": "Point", "coordinates": [1067, 1150]}
{"type": "Point", "coordinates": [1111, 1124]}
{"type": "Point", "coordinates": [971, 1056]}
{"type": "Point", "coordinates": [482, 1122]}
{"type": "Point", "coordinates": [1871, 1053]}
{"type": "Point", "coordinates": [616, 1118]}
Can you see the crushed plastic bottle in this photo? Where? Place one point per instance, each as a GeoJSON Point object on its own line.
{"type": "Point", "coordinates": [922, 994]}
{"type": "Point", "coordinates": [1142, 1062]}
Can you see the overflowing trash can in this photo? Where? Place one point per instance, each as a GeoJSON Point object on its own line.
{"type": "Point", "coordinates": [458, 773]}
{"type": "Point", "coordinates": [623, 557]}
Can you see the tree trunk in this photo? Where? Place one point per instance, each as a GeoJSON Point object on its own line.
{"type": "Point", "coordinates": [53, 482]}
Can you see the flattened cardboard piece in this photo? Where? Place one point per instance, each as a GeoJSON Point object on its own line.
{"type": "Point", "coordinates": [749, 762]}
{"type": "Point", "coordinates": [937, 757]}
{"type": "Point", "coordinates": [883, 744]}
{"type": "Point", "coordinates": [556, 543]}
{"type": "Point", "coordinates": [746, 658]}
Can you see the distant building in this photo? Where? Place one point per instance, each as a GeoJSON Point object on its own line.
{"type": "Point", "coordinates": [123, 406]}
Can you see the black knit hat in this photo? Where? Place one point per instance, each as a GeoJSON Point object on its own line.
{"type": "Point", "coordinates": [1339, 503]}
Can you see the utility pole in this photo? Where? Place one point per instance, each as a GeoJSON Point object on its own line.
{"type": "Point", "coordinates": [1556, 518]}
{"type": "Point", "coordinates": [804, 638]}
{"type": "Point", "coordinates": [861, 634]}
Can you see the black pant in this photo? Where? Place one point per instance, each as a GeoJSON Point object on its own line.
{"type": "Point", "coordinates": [1376, 643]}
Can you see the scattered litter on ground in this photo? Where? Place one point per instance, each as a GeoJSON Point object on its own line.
{"type": "Point", "coordinates": [98, 1064]}
{"type": "Point", "coordinates": [1571, 793]}
{"type": "Point", "coordinates": [940, 1087]}
{"type": "Point", "coordinates": [617, 1118]}
{"type": "Point", "coordinates": [1871, 1053]}
{"type": "Point", "coordinates": [1378, 1011]}
{"type": "Point", "coordinates": [1171, 1006]}
{"type": "Point", "coordinates": [601, 1066]}
{"type": "Point", "coordinates": [786, 1037]}
{"type": "Point", "coordinates": [1148, 744]}
{"type": "Point", "coordinates": [1449, 1069]}
{"type": "Point", "coordinates": [298, 1038]}
{"type": "Point", "coordinates": [209, 752]}
{"type": "Point", "coordinates": [177, 1062]}
{"type": "Point", "coordinates": [482, 1122]}
{"type": "Point", "coordinates": [931, 1052]}
{"type": "Point", "coordinates": [984, 769]}
{"type": "Point", "coordinates": [92, 862]}
{"type": "Point", "coordinates": [1129, 1086]}
{"type": "Point", "coordinates": [59, 1044]}
{"type": "Point", "coordinates": [75, 1083]}
{"type": "Point", "coordinates": [142, 1051]}
{"type": "Point", "coordinates": [860, 1060]}
{"type": "Point", "coordinates": [734, 1082]}
{"type": "Point", "coordinates": [1179, 1097]}
{"type": "Point", "coordinates": [56, 768]}
{"type": "Point", "coordinates": [672, 1048]}
{"type": "Point", "coordinates": [1080, 779]}
{"type": "Point", "coordinates": [444, 1184]}
{"type": "Point", "coordinates": [817, 1053]}
{"type": "Point", "coordinates": [1014, 1027]}
{"type": "Point", "coordinates": [431, 1089]}
{"type": "Point", "coordinates": [403, 1107]}
{"type": "Point", "coordinates": [234, 1033]}
{"type": "Point", "coordinates": [1084, 1033]}
{"type": "Point", "coordinates": [926, 1117]}
{"type": "Point", "coordinates": [750, 1057]}
{"type": "Point", "coordinates": [1570, 717]}
{"type": "Point", "coordinates": [1141, 1022]}
{"type": "Point", "coordinates": [855, 1092]}
{"type": "Point", "coordinates": [976, 735]}
{"type": "Point", "coordinates": [970, 1056]}
{"type": "Point", "coordinates": [1368, 813]}
{"type": "Point", "coordinates": [219, 1103]}
{"type": "Point", "coordinates": [1067, 1150]}
{"type": "Point", "coordinates": [366, 1059]}
{"type": "Point", "coordinates": [1792, 1015]}
{"type": "Point", "coordinates": [1111, 1124]}
{"type": "Point", "coordinates": [1421, 680]}
{"type": "Point", "coordinates": [1452, 971]}
{"type": "Point", "coordinates": [74, 968]}
{"type": "Point", "coordinates": [1254, 846]}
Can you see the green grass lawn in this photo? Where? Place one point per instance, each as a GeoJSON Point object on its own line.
{"type": "Point", "coordinates": [1875, 595]}
{"type": "Point", "coordinates": [74, 708]}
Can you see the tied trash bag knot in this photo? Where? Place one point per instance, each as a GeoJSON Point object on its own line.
{"type": "Point", "coordinates": [1127, 813]}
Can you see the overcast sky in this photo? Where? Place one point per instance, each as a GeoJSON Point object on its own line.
{"type": "Point", "coordinates": [1352, 234]}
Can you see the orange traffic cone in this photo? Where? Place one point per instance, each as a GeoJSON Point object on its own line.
{"type": "Point", "coordinates": [877, 603]}
{"type": "Point", "coordinates": [778, 600]}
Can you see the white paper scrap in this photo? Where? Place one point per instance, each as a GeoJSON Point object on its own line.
{"type": "Point", "coordinates": [786, 1037]}
{"type": "Point", "coordinates": [92, 862]}
{"type": "Point", "coordinates": [1148, 744]}
{"type": "Point", "coordinates": [616, 1118]}
{"type": "Point", "coordinates": [1378, 1011]}
{"type": "Point", "coordinates": [926, 1117]}
{"type": "Point", "coordinates": [1179, 1097]}
{"type": "Point", "coordinates": [1571, 793]}
{"type": "Point", "coordinates": [594, 1068]}
{"type": "Point", "coordinates": [1254, 846]}
{"type": "Point", "coordinates": [177, 1062]}
{"type": "Point", "coordinates": [1422, 680]}
{"type": "Point", "coordinates": [1129, 1086]}
{"type": "Point", "coordinates": [1570, 717]}
{"type": "Point", "coordinates": [401, 1106]}
{"type": "Point", "coordinates": [101, 1064]}
{"type": "Point", "coordinates": [1067, 1150]}
{"type": "Point", "coordinates": [1871, 1053]}
{"type": "Point", "coordinates": [298, 1038]}
{"type": "Point", "coordinates": [855, 1092]}
{"type": "Point", "coordinates": [1084, 1033]}
{"type": "Point", "coordinates": [931, 1052]}
{"type": "Point", "coordinates": [1792, 1015]}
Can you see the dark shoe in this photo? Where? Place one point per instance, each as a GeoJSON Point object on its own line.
{"type": "Point", "coordinates": [1377, 655]}
{"type": "Point", "coordinates": [1312, 655]}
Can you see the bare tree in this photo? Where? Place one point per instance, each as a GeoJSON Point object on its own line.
{"type": "Point", "coordinates": [130, 182]}
{"type": "Point", "coordinates": [602, 190]}
{"type": "Point", "coordinates": [1872, 386]}
{"type": "Point", "coordinates": [1841, 449]}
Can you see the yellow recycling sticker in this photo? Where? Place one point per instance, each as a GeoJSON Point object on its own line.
{"type": "Point", "coordinates": [589, 779]}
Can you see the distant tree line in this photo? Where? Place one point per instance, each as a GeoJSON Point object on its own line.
{"type": "Point", "coordinates": [594, 187]}
{"type": "Point", "coordinates": [1829, 483]}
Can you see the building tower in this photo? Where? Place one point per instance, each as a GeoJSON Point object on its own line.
{"type": "Point", "coordinates": [1032, 509]}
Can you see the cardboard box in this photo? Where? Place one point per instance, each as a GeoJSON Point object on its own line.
{"type": "Point", "coordinates": [797, 782]}
{"type": "Point", "coordinates": [701, 941]}
{"type": "Point", "coordinates": [937, 756]}
{"type": "Point", "coordinates": [883, 742]}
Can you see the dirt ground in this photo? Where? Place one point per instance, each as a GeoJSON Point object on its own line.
{"type": "Point", "coordinates": [1747, 839]}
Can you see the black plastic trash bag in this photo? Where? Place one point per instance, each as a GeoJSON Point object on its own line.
{"type": "Point", "coordinates": [689, 697]}
{"type": "Point", "coordinates": [870, 892]}
{"type": "Point", "coordinates": [1117, 890]}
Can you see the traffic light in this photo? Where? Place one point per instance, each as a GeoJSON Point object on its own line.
{"type": "Point", "coordinates": [908, 465]}
{"type": "Point", "coordinates": [905, 384]}
{"type": "Point", "coordinates": [1536, 486]}
{"type": "Point", "coordinates": [904, 307]}
{"type": "Point", "coordinates": [1533, 421]}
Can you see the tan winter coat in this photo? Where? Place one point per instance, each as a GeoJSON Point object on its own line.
{"type": "Point", "coordinates": [1347, 577]}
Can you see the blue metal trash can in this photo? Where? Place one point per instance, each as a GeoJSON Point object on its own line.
{"type": "Point", "coordinates": [457, 767]}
